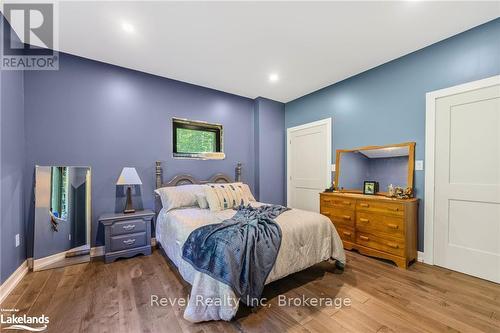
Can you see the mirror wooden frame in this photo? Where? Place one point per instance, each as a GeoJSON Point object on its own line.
{"type": "Point", "coordinates": [411, 162]}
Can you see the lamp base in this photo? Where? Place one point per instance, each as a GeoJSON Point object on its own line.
{"type": "Point", "coordinates": [129, 208]}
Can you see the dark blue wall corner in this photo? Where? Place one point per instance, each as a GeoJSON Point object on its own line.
{"type": "Point", "coordinates": [386, 104]}
{"type": "Point", "coordinates": [269, 138]}
{"type": "Point", "coordinates": [12, 158]}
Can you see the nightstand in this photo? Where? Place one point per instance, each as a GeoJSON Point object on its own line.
{"type": "Point", "coordinates": [127, 235]}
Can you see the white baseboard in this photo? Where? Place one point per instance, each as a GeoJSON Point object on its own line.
{"type": "Point", "coordinates": [13, 280]}
{"type": "Point", "coordinates": [420, 256]}
{"type": "Point", "coordinates": [49, 260]}
{"type": "Point", "coordinates": [97, 251]}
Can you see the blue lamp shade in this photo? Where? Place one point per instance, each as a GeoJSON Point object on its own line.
{"type": "Point", "coordinates": [129, 176]}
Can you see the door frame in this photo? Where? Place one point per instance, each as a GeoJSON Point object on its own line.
{"type": "Point", "coordinates": [329, 133]}
{"type": "Point", "coordinates": [430, 142]}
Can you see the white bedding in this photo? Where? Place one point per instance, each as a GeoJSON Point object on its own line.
{"type": "Point", "coordinates": [307, 239]}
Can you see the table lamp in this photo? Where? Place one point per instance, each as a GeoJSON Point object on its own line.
{"type": "Point", "coordinates": [129, 177]}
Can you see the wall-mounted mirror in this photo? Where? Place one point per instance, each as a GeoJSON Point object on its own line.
{"type": "Point", "coordinates": [391, 164]}
{"type": "Point", "coordinates": [62, 216]}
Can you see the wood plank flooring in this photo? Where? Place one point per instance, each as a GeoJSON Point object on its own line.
{"type": "Point", "coordinates": [96, 297]}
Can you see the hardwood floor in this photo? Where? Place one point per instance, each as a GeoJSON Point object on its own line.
{"type": "Point", "coordinates": [96, 297]}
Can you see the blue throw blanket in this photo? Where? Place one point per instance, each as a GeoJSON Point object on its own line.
{"type": "Point", "coordinates": [240, 251]}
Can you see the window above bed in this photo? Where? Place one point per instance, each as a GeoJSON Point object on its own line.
{"type": "Point", "coordinates": [197, 140]}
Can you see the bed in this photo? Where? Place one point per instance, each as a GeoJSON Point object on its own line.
{"type": "Point", "coordinates": [307, 239]}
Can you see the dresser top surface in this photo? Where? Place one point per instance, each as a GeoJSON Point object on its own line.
{"type": "Point", "coordinates": [123, 216]}
{"type": "Point", "coordinates": [367, 197]}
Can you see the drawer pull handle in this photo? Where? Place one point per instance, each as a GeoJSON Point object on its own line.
{"type": "Point", "coordinates": [347, 203]}
{"type": "Point", "coordinates": [346, 217]}
{"type": "Point", "coordinates": [363, 220]}
{"type": "Point", "coordinates": [347, 233]}
{"type": "Point", "coordinates": [393, 245]}
{"type": "Point", "coordinates": [364, 238]}
{"type": "Point", "coordinates": [129, 241]}
{"type": "Point", "coordinates": [393, 226]}
{"type": "Point", "coordinates": [129, 226]}
{"type": "Point", "coordinates": [327, 200]}
{"type": "Point", "coordinates": [364, 205]}
{"type": "Point", "coordinates": [394, 209]}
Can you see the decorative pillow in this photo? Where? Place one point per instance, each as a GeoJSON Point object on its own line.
{"type": "Point", "coordinates": [202, 201]}
{"type": "Point", "coordinates": [224, 196]}
{"type": "Point", "coordinates": [246, 191]}
{"type": "Point", "coordinates": [179, 196]}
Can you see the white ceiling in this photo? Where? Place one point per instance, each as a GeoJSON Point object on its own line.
{"type": "Point", "coordinates": [235, 46]}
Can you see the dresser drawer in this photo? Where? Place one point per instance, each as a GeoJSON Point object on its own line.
{"type": "Point", "coordinates": [394, 246]}
{"type": "Point", "coordinates": [127, 227]}
{"type": "Point", "coordinates": [340, 216]}
{"type": "Point", "coordinates": [335, 202]}
{"type": "Point", "coordinates": [128, 241]}
{"type": "Point", "coordinates": [391, 208]}
{"type": "Point", "coordinates": [346, 234]}
{"type": "Point", "coordinates": [376, 224]}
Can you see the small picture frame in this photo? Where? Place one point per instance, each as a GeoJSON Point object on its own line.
{"type": "Point", "coordinates": [370, 187]}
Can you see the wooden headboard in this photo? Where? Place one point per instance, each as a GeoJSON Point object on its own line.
{"type": "Point", "coordinates": [186, 179]}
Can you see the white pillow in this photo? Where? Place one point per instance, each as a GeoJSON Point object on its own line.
{"type": "Point", "coordinates": [202, 201]}
{"type": "Point", "coordinates": [246, 191]}
{"type": "Point", "coordinates": [224, 196]}
{"type": "Point", "coordinates": [179, 196]}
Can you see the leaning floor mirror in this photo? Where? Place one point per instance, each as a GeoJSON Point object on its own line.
{"type": "Point", "coordinates": [62, 216]}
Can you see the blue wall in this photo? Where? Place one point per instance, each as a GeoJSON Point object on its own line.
{"type": "Point", "coordinates": [387, 104]}
{"type": "Point", "coordinates": [11, 170]}
{"type": "Point", "coordinates": [269, 141]}
{"type": "Point", "coordinates": [94, 114]}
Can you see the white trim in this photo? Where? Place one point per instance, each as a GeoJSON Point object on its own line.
{"type": "Point", "coordinates": [97, 251]}
{"type": "Point", "coordinates": [49, 260]}
{"type": "Point", "coordinates": [420, 256]}
{"type": "Point", "coordinates": [329, 132]}
{"type": "Point", "coordinates": [430, 141]}
{"type": "Point", "coordinates": [12, 281]}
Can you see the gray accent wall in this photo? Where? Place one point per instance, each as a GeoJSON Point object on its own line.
{"type": "Point", "coordinates": [12, 159]}
{"type": "Point", "coordinates": [108, 117]}
{"type": "Point", "coordinates": [269, 141]}
{"type": "Point", "coordinates": [386, 104]}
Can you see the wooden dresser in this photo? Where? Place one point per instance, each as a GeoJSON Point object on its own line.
{"type": "Point", "coordinates": [374, 225]}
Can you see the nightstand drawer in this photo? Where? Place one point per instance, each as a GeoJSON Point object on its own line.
{"type": "Point", "coordinates": [128, 241]}
{"type": "Point", "coordinates": [127, 227]}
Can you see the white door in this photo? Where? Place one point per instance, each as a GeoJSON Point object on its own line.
{"type": "Point", "coordinates": [467, 182]}
{"type": "Point", "coordinates": [308, 163]}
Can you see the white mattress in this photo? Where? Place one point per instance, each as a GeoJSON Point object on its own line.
{"type": "Point", "coordinates": [307, 238]}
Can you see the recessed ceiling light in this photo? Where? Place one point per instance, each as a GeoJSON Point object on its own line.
{"type": "Point", "coordinates": [127, 27]}
{"type": "Point", "coordinates": [273, 77]}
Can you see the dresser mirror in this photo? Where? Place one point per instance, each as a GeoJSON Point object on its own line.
{"type": "Point", "coordinates": [62, 216]}
{"type": "Point", "coordinates": [386, 165]}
